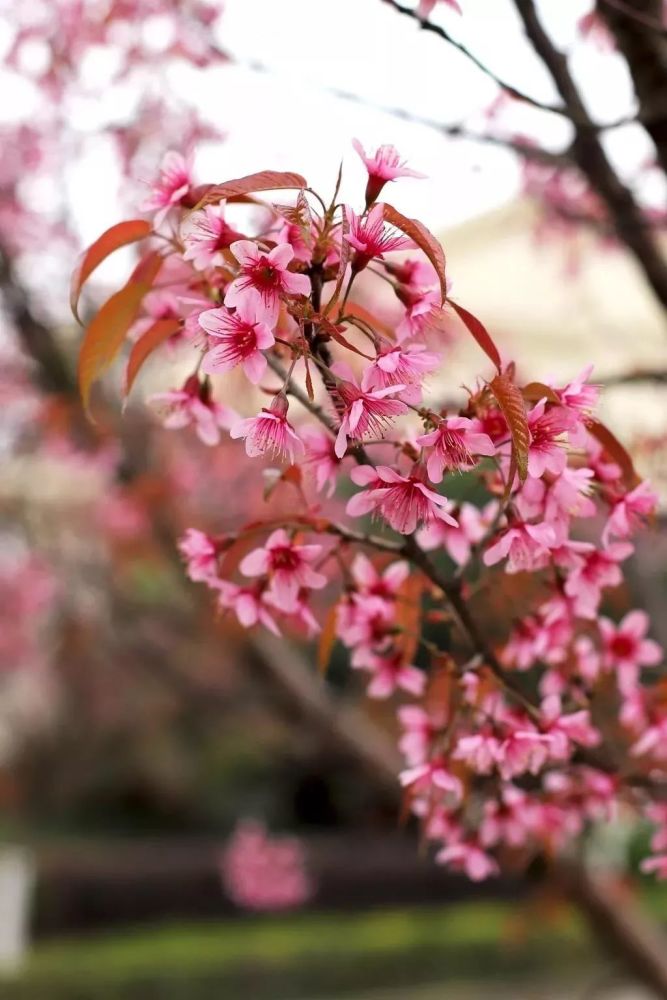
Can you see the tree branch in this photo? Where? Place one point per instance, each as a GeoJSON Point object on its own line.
{"type": "Point", "coordinates": [629, 222]}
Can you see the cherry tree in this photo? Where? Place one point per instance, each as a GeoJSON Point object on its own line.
{"type": "Point", "coordinates": [514, 745]}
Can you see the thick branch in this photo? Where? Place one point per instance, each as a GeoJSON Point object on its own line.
{"type": "Point", "coordinates": [629, 222]}
{"type": "Point", "coordinates": [645, 50]}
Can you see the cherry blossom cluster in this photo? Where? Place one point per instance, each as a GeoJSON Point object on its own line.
{"type": "Point", "coordinates": [410, 517]}
{"type": "Point", "coordinates": [263, 872]}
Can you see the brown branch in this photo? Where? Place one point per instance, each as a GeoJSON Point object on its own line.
{"type": "Point", "coordinates": [645, 51]}
{"type": "Point", "coordinates": [629, 222]}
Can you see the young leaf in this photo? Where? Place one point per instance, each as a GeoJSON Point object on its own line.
{"type": "Point", "coordinates": [327, 640]}
{"type": "Point", "coordinates": [105, 335]}
{"type": "Point", "coordinates": [114, 238]}
{"type": "Point", "coordinates": [265, 180]}
{"type": "Point", "coordinates": [424, 239]}
{"type": "Point", "coordinates": [479, 332]}
{"type": "Point", "coordinates": [535, 391]}
{"type": "Point", "coordinates": [408, 616]}
{"type": "Point", "coordinates": [156, 334]}
{"type": "Point", "coordinates": [510, 401]}
{"type": "Point", "coordinates": [615, 450]}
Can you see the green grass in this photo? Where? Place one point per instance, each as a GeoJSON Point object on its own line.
{"type": "Point", "coordinates": [305, 955]}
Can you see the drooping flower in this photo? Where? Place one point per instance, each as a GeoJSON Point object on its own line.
{"type": "Point", "coordinates": [385, 165]}
{"type": "Point", "coordinates": [243, 335]}
{"type": "Point", "coordinates": [265, 277]}
{"type": "Point", "coordinates": [403, 366]}
{"type": "Point", "coordinates": [172, 186]}
{"type": "Point", "coordinates": [419, 728]}
{"type": "Point", "coordinates": [364, 411]}
{"type": "Point", "coordinates": [270, 432]}
{"type": "Point", "coordinates": [321, 456]}
{"type": "Point", "coordinates": [454, 443]}
{"type": "Point", "coordinates": [403, 501]}
{"type": "Point", "coordinates": [205, 235]}
{"type": "Point", "coordinates": [287, 566]}
{"type": "Point", "coordinates": [193, 405]}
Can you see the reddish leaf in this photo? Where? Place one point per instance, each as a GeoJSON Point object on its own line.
{"type": "Point", "coordinates": [424, 239]}
{"type": "Point", "coordinates": [335, 332]}
{"type": "Point", "coordinates": [114, 238]}
{"type": "Point", "coordinates": [535, 391]}
{"type": "Point", "coordinates": [156, 334]}
{"type": "Point", "coordinates": [265, 180]}
{"type": "Point", "coordinates": [369, 318]}
{"type": "Point", "coordinates": [408, 616]}
{"type": "Point", "coordinates": [327, 640]}
{"type": "Point", "coordinates": [615, 450]}
{"type": "Point", "coordinates": [513, 407]}
{"type": "Point", "coordinates": [480, 333]}
{"type": "Point", "coordinates": [105, 335]}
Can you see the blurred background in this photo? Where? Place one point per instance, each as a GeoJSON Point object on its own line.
{"type": "Point", "coordinates": [187, 810]}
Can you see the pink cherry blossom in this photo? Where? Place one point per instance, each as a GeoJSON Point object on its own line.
{"type": "Point", "coordinates": [629, 512]}
{"type": "Point", "coordinates": [270, 432]}
{"type": "Point", "coordinates": [321, 456]}
{"type": "Point", "coordinates": [546, 451]}
{"type": "Point", "coordinates": [247, 603]}
{"type": "Point", "coordinates": [261, 872]}
{"type": "Point", "coordinates": [172, 186]}
{"type": "Point", "coordinates": [432, 775]}
{"type": "Point", "coordinates": [264, 278]}
{"type": "Point", "coordinates": [385, 165]}
{"type": "Point", "coordinates": [403, 501]}
{"type": "Point", "coordinates": [205, 235]}
{"type": "Point", "coordinates": [374, 584]}
{"type": "Point", "coordinates": [403, 366]}
{"type": "Point", "coordinates": [419, 728]}
{"type": "Point", "coordinates": [201, 554]}
{"type": "Point", "coordinates": [480, 751]}
{"type": "Point", "coordinates": [425, 7]}
{"type": "Point", "coordinates": [193, 405]}
{"type": "Point", "coordinates": [655, 865]}
{"type": "Point", "coordinates": [364, 411]}
{"type": "Point", "coordinates": [287, 566]}
{"type": "Point", "coordinates": [457, 540]}
{"type": "Point", "coordinates": [389, 673]}
{"type": "Point", "coordinates": [592, 572]}
{"type": "Point", "coordinates": [453, 444]}
{"type": "Point", "coordinates": [243, 335]}
{"type": "Point", "coordinates": [370, 237]}
{"type": "Point", "coordinates": [469, 857]}
{"type": "Point", "coordinates": [526, 547]}
{"type": "Point", "coordinates": [626, 648]}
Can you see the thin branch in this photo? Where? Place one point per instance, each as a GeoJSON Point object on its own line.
{"type": "Point", "coordinates": [436, 29]}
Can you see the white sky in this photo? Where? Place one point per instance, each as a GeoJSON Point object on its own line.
{"type": "Point", "coordinates": [287, 118]}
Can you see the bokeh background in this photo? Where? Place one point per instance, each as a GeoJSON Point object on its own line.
{"type": "Point", "coordinates": [184, 810]}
